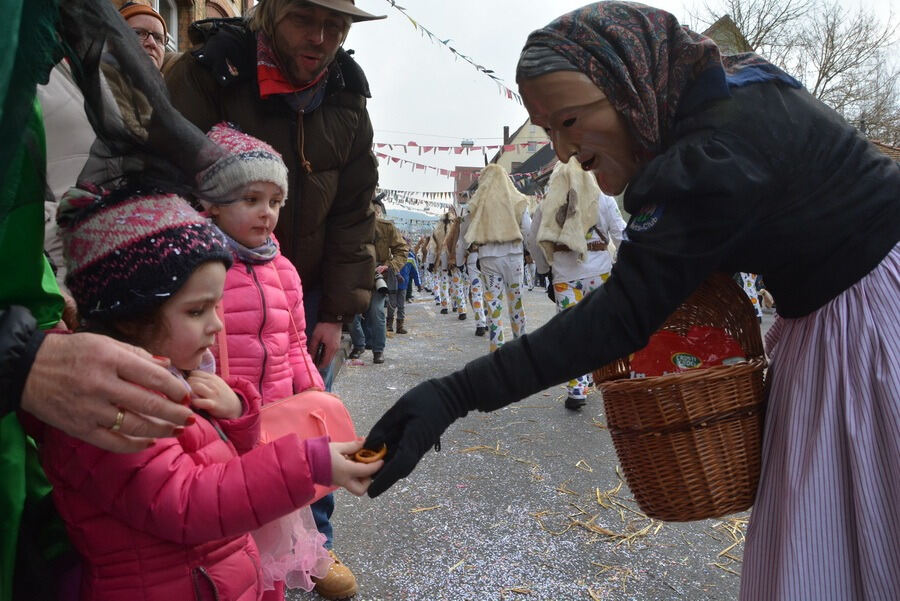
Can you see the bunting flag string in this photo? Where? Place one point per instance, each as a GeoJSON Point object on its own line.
{"type": "Point", "coordinates": [441, 197]}
{"type": "Point", "coordinates": [415, 166]}
{"type": "Point", "coordinates": [446, 43]}
{"type": "Point", "coordinates": [426, 202]}
{"type": "Point", "coordinates": [421, 149]}
{"type": "Point", "coordinates": [515, 177]}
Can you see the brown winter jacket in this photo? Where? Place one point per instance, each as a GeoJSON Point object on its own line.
{"type": "Point", "coordinates": [390, 247]}
{"type": "Point", "coordinates": [327, 225]}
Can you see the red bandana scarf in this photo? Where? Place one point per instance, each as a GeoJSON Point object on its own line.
{"type": "Point", "coordinates": [269, 74]}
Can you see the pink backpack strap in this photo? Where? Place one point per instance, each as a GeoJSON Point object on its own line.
{"type": "Point", "coordinates": [223, 342]}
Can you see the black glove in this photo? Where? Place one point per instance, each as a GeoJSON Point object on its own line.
{"type": "Point", "coordinates": [412, 426]}
{"type": "Point", "coordinates": [416, 422]}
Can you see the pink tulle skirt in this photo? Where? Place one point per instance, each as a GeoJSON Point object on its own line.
{"type": "Point", "coordinates": [292, 551]}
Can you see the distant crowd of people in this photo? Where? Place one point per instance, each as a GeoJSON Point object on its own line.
{"type": "Point", "coordinates": [500, 244]}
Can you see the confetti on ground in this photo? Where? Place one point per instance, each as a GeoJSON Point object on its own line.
{"type": "Point", "coordinates": [421, 509]}
{"type": "Point", "coordinates": [583, 465]}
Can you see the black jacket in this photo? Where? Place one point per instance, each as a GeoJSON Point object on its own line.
{"type": "Point", "coordinates": [769, 181]}
{"type": "Point", "coordinates": [20, 339]}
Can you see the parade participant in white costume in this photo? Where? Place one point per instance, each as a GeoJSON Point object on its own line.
{"type": "Point", "coordinates": [574, 244]}
{"type": "Point", "coordinates": [498, 218]}
{"type": "Point", "coordinates": [458, 284]}
{"type": "Point", "coordinates": [467, 256]}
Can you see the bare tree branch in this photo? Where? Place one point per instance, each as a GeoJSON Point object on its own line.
{"type": "Point", "coordinates": [841, 55]}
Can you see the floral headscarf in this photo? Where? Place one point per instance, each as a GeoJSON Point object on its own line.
{"type": "Point", "coordinates": [643, 60]}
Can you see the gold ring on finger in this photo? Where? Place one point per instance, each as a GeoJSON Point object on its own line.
{"type": "Point", "coordinates": [120, 417]}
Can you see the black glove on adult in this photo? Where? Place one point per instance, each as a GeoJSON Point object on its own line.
{"type": "Point", "coordinates": [412, 426]}
{"type": "Point", "coordinates": [416, 422]}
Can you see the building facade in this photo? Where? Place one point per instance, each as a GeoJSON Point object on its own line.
{"type": "Point", "coordinates": [179, 14]}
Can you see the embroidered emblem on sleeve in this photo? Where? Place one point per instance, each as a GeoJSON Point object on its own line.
{"type": "Point", "coordinates": [646, 219]}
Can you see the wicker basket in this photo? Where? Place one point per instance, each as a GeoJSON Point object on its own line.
{"type": "Point", "coordinates": [689, 443]}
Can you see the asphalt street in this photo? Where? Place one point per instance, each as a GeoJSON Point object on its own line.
{"type": "Point", "coordinates": [523, 503]}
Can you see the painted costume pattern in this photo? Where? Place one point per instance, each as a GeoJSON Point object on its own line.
{"type": "Point", "coordinates": [476, 295]}
{"type": "Point", "coordinates": [458, 289]}
{"type": "Point", "coordinates": [568, 294]}
{"type": "Point", "coordinates": [503, 277]}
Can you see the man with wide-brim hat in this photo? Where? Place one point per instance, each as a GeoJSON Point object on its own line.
{"type": "Point", "coordinates": [281, 74]}
{"type": "Point", "coordinates": [347, 7]}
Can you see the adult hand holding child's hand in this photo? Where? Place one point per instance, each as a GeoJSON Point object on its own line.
{"type": "Point", "coordinates": [80, 382]}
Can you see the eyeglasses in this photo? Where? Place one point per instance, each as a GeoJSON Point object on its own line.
{"type": "Point", "coordinates": [160, 38]}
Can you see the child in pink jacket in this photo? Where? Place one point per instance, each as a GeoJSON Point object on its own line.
{"type": "Point", "coordinates": [265, 329]}
{"type": "Point", "coordinates": [172, 522]}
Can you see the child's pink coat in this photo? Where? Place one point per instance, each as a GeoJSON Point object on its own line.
{"type": "Point", "coordinates": [171, 522]}
{"type": "Point", "coordinates": [263, 345]}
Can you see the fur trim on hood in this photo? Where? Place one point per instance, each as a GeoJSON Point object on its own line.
{"type": "Point", "coordinates": [496, 209]}
{"type": "Point", "coordinates": [569, 210]}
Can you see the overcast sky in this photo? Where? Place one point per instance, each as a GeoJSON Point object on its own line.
{"type": "Point", "coordinates": [421, 93]}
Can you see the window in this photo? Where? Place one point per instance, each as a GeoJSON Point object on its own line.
{"type": "Point", "coordinates": [169, 13]}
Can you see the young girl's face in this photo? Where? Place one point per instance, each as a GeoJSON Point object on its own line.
{"type": "Point", "coordinates": [251, 219]}
{"type": "Point", "coordinates": [188, 320]}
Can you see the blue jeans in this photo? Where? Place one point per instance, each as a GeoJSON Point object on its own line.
{"type": "Point", "coordinates": [322, 510]}
{"type": "Point", "coordinates": [369, 328]}
{"type": "Point", "coordinates": [324, 507]}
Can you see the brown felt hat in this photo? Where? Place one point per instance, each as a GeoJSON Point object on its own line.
{"type": "Point", "coordinates": [347, 7]}
{"type": "Point", "coordinates": [130, 9]}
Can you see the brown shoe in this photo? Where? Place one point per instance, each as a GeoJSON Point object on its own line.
{"type": "Point", "coordinates": [339, 583]}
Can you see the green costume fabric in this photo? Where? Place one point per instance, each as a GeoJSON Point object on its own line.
{"type": "Point", "coordinates": [28, 281]}
{"type": "Point", "coordinates": [28, 49]}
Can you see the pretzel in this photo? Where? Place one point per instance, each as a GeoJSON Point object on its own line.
{"type": "Point", "coordinates": [368, 455]}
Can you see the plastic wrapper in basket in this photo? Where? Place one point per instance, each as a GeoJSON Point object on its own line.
{"type": "Point", "coordinates": [690, 442]}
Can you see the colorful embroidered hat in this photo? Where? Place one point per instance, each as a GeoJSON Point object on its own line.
{"type": "Point", "coordinates": [128, 254]}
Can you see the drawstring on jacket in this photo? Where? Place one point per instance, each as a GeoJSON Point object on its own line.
{"type": "Point", "coordinates": [307, 166]}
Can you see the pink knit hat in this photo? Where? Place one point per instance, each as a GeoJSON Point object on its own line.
{"type": "Point", "coordinates": [256, 162]}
